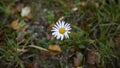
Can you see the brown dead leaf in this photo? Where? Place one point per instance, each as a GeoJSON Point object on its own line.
{"type": "Point", "coordinates": [19, 6]}
{"type": "Point", "coordinates": [19, 25]}
{"type": "Point", "coordinates": [36, 65]}
{"type": "Point", "coordinates": [97, 5]}
{"type": "Point", "coordinates": [15, 25]}
{"type": "Point", "coordinates": [25, 27]}
{"type": "Point", "coordinates": [44, 55]}
{"type": "Point", "coordinates": [118, 62]}
{"type": "Point", "coordinates": [11, 4]}
{"type": "Point", "coordinates": [95, 34]}
{"type": "Point", "coordinates": [58, 15]}
{"type": "Point", "coordinates": [48, 32]}
{"type": "Point", "coordinates": [29, 65]}
{"type": "Point", "coordinates": [84, 26]}
{"type": "Point", "coordinates": [2, 43]}
{"type": "Point", "coordinates": [117, 40]}
{"type": "Point", "coordinates": [55, 49]}
{"type": "Point", "coordinates": [73, 51]}
{"type": "Point", "coordinates": [89, 3]}
{"type": "Point", "coordinates": [117, 43]}
{"type": "Point", "coordinates": [93, 57]}
{"type": "Point", "coordinates": [69, 3]}
{"type": "Point", "coordinates": [2, 38]}
{"type": "Point", "coordinates": [52, 38]}
{"type": "Point", "coordinates": [79, 67]}
{"type": "Point", "coordinates": [29, 17]}
{"type": "Point", "coordinates": [47, 35]}
{"type": "Point", "coordinates": [83, 4]}
{"type": "Point", "coordinates": [78, 60]}
{"type": "Point", "coordinates": [20, 36]}
{"type": "Point", "coordinates": [74, 35]}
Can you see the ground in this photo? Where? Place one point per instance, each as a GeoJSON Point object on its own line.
{"type": "Point", "coordinates": [26, 41]}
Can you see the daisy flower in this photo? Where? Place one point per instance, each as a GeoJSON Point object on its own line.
{"type": "Point", "coordinates": [61, 30]}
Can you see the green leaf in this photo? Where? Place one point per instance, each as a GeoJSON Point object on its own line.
{"type": "Point", "coordinates": [79, 54]}
{"type": "Point", "coordinates": [22, 23]}
{"type": "Point", "coordinates": [81, 46]}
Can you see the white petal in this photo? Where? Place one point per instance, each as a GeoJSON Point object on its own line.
{"type": "Point", "coordinates": [60, 24]}
{"type": "Point", "coordinates": [63, 24]}
{"type": "Point", "coordinates": [58, 37]}
{"type": "Point", "coordinates": [54, 30]}
{"type": "Point", "coordinates": [56, 26]}
{"type": "Point", "coordinates": [62, 36]}
{"type": "Point", "coordinates": [66, 35]}
{"type": "Point", "coordinates": [67, 25]}
{"type": "Point", "coordinates": [69, 28]}
{"type": "Point", "coordinates": [53, 33]}
{"type": "Point", "coordinates": [68, 31]}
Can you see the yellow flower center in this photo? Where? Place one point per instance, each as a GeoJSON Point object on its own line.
{"type": "Point", "coordinates": [62, 30]}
